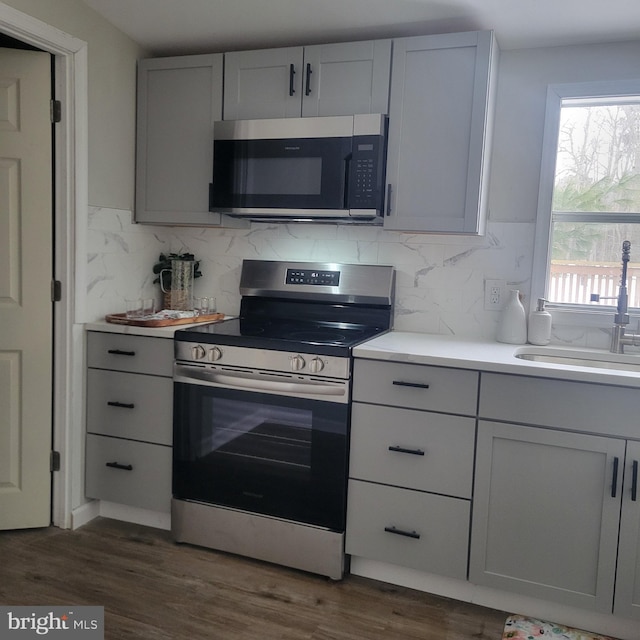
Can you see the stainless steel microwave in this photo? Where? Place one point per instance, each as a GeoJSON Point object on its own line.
{"type": "Point", "coordinates": [326, 168]}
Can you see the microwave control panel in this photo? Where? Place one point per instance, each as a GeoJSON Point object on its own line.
{"type": "Point", "coordinates": [367, 173]}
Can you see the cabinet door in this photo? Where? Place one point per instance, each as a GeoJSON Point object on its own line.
{"type": "Point", "coordinates": [263, 84]}
{"type": "Point", "coordinates": [627, 602]}
{"type": "Point", "coordinates": [546, 512]}
{"type": "Point", "coordinates": [178, 101]}
{"type": "Point", "coordinates": [439, 116]}
{"type": "Point", "coordinates": [347, 78]}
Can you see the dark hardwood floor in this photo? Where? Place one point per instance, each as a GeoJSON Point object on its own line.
{"type": "Point", "coordinates": [153, 588]}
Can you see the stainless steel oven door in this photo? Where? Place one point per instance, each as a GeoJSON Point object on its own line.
{"type": "Point", "coordinates": [264, 443]}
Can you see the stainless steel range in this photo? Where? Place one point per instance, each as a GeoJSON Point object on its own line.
{"type": "Point", "coordinates": [261, 413]}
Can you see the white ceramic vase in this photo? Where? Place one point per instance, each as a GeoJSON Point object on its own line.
{"type": "Point", "coordinates": [512, 327]}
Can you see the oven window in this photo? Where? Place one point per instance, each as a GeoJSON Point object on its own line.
{"type": "Point", "coordinates": [267, 454]}
{"type": "Point", "coordinates": [277, 437]}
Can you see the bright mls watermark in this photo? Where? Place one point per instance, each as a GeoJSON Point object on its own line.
{"type": "Point", "coordinates": [22, 623]}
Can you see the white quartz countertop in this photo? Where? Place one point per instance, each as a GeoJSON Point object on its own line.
{"type": "Point", "coordinates": [461, 353]}
{"type": "Point", "coordinates": [155, 332]}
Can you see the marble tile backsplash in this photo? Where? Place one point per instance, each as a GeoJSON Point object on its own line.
{"type": "Point", "coordinates": [439, 278]}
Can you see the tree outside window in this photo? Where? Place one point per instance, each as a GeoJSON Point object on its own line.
{"type": "Point", "coordinates": [595, 200]}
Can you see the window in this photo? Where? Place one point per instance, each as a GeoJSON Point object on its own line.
{"type": "Point", "coordinates": [590, 195]}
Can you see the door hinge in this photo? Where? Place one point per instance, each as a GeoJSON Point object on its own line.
{"type": "Point", "coordinates": [54, 461]}
{"type": "Point", "coordinates": [56, 291]}
{"type": "Point", "coordinates": [56, 111]}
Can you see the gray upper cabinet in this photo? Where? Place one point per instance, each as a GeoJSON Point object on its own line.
{"type": "Point", "coordinates": [178, 101]}
{"type": "Point", "coordinates": [321, 80]}
{"type": "Point", "coordinates": [440, 114]}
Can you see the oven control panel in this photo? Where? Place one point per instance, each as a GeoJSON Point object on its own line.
{"type": "Point", "coordinates": [313, 276]}
{"type": "Point", "coordinates": [264, 359]}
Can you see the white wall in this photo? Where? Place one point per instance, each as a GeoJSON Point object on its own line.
{"type": "Point", "coordinates": [112, 60]}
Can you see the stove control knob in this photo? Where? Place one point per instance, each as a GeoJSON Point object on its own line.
{"type": "Point", "coordinates": [316, 365]}
{"type": "Point", "coordinates": [297, 363]}
{"type": "Point", "coordinates": [215, 354]}
{"type": "Point", "coordinates": [197, 352]}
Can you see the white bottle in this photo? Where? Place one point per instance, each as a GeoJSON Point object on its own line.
{"type": "Point", "coordinates": [512, 327]}
{"type": "Point", "coordinates": [540, 324]}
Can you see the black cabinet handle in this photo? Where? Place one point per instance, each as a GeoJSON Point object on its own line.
{"type": "Point", "coordinates": [400, 532]}
{"type": "Point", "coordinates": [634, 481]}
{"type": "Point", "coordinates": [122, 405]}
{"type": "Point", "coordinates": [292, 72]}
{"type": "Point", "coordinates": [117, 465]}
{"type": "Point", "coordinates": [415, 385]}
{"type": "Point", "coordinates": [414, 452]}
{"type": "Point", "coordinates": [307, 89]}
{"type": "Point", "coordinates": [388, 200]}
{"type": "Point", "coordinates": [120, 352]}
{"type": "Point", "coordinates": [614, 480]}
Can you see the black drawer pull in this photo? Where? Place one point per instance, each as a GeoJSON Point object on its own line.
{"type": "Point", "coordinates": [634, 481]}
{"type": "Point", "coordinates": [414, 452]}
{"type": "Point", "coordinates": [400, 532]}
{"type": "Point", "coordinates": [120, 352]}
{"type": "Point", "coordinates": [415, 385]}
{"type": "Point", "coordinates": [122, 405]}
{"type": "Point", "coordinates": [117, 465]}
{"type": "Point", "coordinates": [614, 480]}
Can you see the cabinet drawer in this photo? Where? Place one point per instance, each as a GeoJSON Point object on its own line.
{"type": "Point", "coordinates": [413, 449]}
{"type": "Point", "coordinates": [138, 354]}
{"type": "Point", "coordinates": [130, 405]}
{"type": "Point", "coordinates": [437, 528]}
{"type": "Point", "coordinates": [562, 404]}
{"type": "Point", "coordinates": [416, 386]}
{"type": "Point", "coordinates": [147, 484]}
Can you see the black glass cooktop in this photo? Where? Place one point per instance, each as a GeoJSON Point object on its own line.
{"type": "Point", "coordinates": [283, 335]}
{"type": "Point", "coordinates": [322, 329]}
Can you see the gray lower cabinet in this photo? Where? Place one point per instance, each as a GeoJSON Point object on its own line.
{"type": "Point", "coordinates": [320, 80]}
{"type": "Point", "coordinates": [410, 486]}
{"type": "Point", "coordinates": [545, 517]}
{"type": "Point", "coordinates": [440, 127]}
{"type": "Point", "coordinates": [129, 420]}
{"type": "Point", "coordinates": [627, 601]}
{"type": "Point", "coordinates": [556, 512]}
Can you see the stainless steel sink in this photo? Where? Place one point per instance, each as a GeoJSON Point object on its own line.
{"type": "Point", "coordinates": [576, 358]}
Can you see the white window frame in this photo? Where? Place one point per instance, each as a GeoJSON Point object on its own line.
{"type": "Point", "coordinates": [564, 314]}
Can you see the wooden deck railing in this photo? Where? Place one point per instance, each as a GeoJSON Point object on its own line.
{"type": "Point", "coordinates": [574, 283]}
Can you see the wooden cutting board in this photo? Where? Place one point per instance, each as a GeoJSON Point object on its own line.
{"type": "Point", "coordinates": [121, 318]}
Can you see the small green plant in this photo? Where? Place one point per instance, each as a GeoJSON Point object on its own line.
{"type": "Point", "coordinates": [164, 262]}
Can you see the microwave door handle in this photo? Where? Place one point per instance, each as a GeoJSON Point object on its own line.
{"type": "Point", "coordinates": [347, 178]}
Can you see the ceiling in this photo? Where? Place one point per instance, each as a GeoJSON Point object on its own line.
{"type": "Point", "coordinates": [175, 27]}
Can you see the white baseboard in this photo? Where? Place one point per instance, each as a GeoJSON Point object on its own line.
{"type": "Point", "coordinates": [147, 518]}
{"type": "Point", "coordinates": [90, 510]}
{"type": "Point", "coordinates": [84, 513]}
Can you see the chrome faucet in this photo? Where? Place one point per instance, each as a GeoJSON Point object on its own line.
{"type": "Point", "coordinates": [619, 337]}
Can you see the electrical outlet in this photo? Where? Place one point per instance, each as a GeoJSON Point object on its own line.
{"type": "Point", "coordinates": [494, 294]}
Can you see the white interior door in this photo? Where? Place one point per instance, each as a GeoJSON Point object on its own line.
{"type": "Point", "coordinates": [25, 289]}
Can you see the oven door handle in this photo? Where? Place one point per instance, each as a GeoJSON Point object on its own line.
{"type": "Point", "coordinates": [197, 375]}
